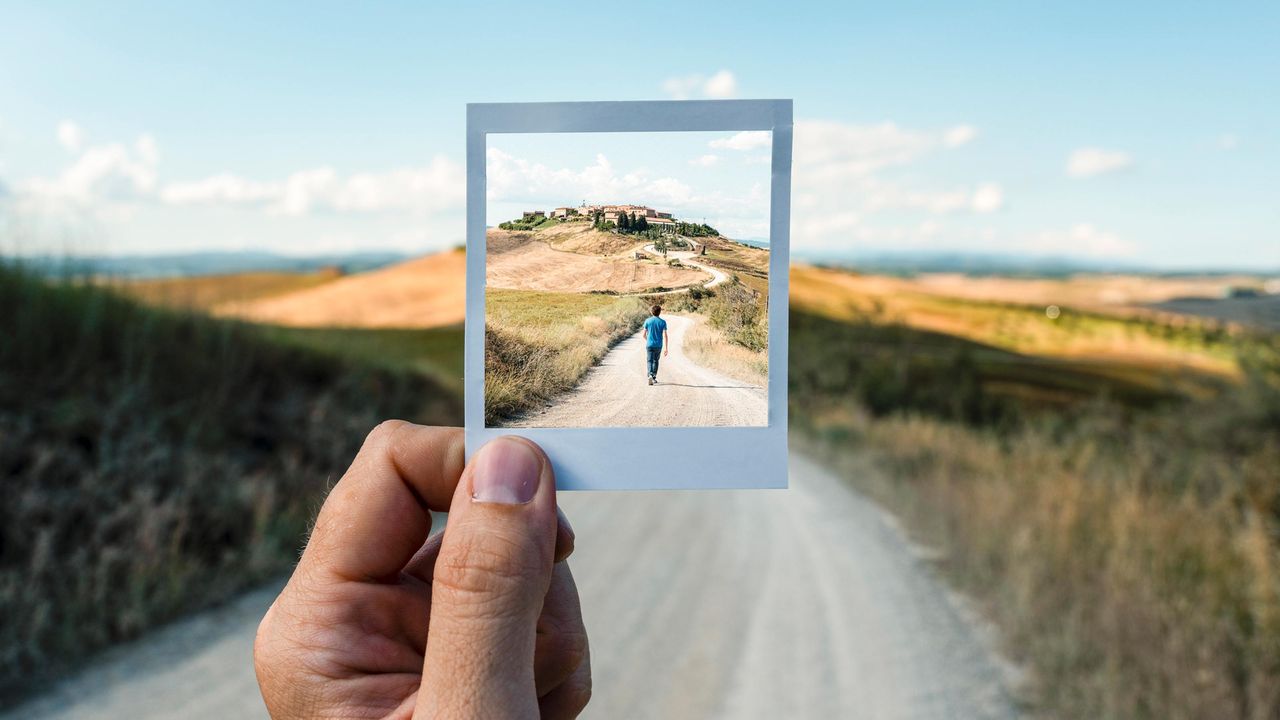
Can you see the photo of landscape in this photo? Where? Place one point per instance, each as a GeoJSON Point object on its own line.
{"type": "Point", "coordinates": [632, 314]}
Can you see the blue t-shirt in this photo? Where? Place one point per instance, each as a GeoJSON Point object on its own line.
{"type": "Point", "coordinates": [655, 326]}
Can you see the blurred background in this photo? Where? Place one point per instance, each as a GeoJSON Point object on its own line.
{"type": "Point", "coordinates": [1035, 345]}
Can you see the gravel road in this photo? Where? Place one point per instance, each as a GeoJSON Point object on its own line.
{"type": "Point", "coordinates": [615, 392]}
{"type": "Point", "coordinates": [803, 603]}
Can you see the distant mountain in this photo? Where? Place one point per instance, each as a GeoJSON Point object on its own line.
{"type": "Point", "coordinates": [206, 263]}
{"type": "Point", "coordinates": [1005, 264]}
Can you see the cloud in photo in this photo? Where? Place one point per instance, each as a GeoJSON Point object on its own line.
{"type": "Point", "coordinates": [514, 179]}
{"type": "Point", "coordinates": [745, 140]}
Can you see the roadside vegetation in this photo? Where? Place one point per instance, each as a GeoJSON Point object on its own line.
{"type": "Point", "coordinates": [1117, 517]}
{"type": "Point", "coordinates": [528, 225]}
{"type": "Point", "coordinates": [159, 461]}
{"type": "Point", "coordinates": [731, 329]}
{"type": "Point", "coordinates": [539, 344]}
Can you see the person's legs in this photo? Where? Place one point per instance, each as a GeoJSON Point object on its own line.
{"type": "Point", "coordinates": [654, 353]}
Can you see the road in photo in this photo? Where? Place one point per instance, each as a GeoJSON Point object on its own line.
{"type": "Point", "coordinates": [615, 394]}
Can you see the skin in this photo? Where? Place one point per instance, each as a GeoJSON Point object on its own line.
{"type": "Point", "coordinates": [379, 620]}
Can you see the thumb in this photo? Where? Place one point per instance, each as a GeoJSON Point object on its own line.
{"type": "Point", "coordinates": [492, 574]}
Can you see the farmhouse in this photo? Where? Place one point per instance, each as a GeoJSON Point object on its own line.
{"type": "Point", "coordinates": [657, 219]}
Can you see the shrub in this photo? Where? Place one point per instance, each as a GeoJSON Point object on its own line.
{"type": "Point", "coordinates": [735, 310]}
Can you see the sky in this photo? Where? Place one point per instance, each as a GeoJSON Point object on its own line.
{"type": "Point", "coordinates": [721, 178]}
{"type": "Point", "coordinates": [1138, 133]}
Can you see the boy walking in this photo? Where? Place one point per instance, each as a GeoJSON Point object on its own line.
{"type": "Point", "coordinates": [655, 339]}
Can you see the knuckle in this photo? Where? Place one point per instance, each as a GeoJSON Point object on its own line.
{"type": "Point", "coordinates": [477, 566]}
{"type": "Point", "coordinates": [383, 432]}
{"type": "Point", "coordinates": [570, 647]}
{"type": "Point", "coordinates": [580, 696]}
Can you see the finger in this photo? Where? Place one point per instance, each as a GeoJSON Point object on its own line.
{"type": "Point", "coordinates": [569, 698]}
{"type": "Point", "coordinates": [378, 515]}
{"type": "Point", "coordinates": [423, 564]}
{"type": "Point", "coordinates": [564, 537]}
{"type": "Point", "coordinates": [561, 644]}
{"type": "Point", "coordinates": [489, 583]}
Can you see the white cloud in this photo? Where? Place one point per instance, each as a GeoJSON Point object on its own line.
{"type": "Point", "coordinates": [705, 160]}
{"type": "Point", "coordinates": [514, 179]}
{"type": "Point", "coordinates": [111, 172]}
{"type": "Point", "coordinates": [70, 136]}
{"type": "Point", "coordinates": [224, 188]}
{"type": "Point", "coordinates": [682, 88]}
{"type": "Point", "coordinates": [439, 185]}
{"type": "Point", "coordinates": [823, 225]}
{"type": "Point", "coordinates": [959, 135]}
{"type": "Point", "coordinates": [1228, 141]}
{"type": "Point", "coordinates": [987, 198]}
{"type": "Point", "coordinates": [1081, 239]}
{"type": "Point", "coordinates": [745, 140]}
{"type": "Point", "coordinates": [845, 171]}
{"type": "Point", "coordinates": [828, 151]}
{"type": "Point", "coordinates": [722, 84]}
{"type": "Point", "coordinates": [1088, 162]}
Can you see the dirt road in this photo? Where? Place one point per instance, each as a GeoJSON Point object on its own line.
{"type": "Point", "coordinates": [803, 603]}
{"type": "Point", "coordinates": [688, 257]}
{"type": "Point", "coordinates": [615, 394]}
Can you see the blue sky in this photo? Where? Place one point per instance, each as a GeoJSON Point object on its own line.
{"type": "Point", "coordinates": [1137, 132]}
{"type": "Point", "coordinates": [721, 179]}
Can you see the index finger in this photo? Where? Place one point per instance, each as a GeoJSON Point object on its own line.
{"type": "Point", "coordinates": [379, 513]}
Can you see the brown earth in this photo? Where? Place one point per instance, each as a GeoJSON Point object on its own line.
{"type": "Point", "coordinates": [425, 292]}
{"type": "Point", "coordinates": [517, 261]}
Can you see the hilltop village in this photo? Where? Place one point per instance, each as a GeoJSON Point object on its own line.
{"type": "Point", "coordinates": [626, 219]}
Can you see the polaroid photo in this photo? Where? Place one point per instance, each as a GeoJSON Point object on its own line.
{"type": "Point", "coordinates": [627, 289]}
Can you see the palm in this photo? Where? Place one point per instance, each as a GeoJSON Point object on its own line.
{"type": "Point", "coordinates": [362, 650]}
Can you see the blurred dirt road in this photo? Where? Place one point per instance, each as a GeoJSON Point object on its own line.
{"type": "Point", "coordinates": [804, 603]}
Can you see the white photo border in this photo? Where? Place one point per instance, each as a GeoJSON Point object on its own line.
{"type": "Point", "coordinates": [613, 458]}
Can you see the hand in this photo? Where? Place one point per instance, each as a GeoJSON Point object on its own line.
{"type": "Point", "coordinates": [480, 621]}
{"type": "Point", "coordinates": [666, 352]}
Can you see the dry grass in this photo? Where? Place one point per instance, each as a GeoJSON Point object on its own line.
{"type": "Point", "coordinates": [205, 292]}
{"type": "Point", "coordinates": [1137, 582]}
{"type": "Point", "coordinates": [534, 265]}
{"type": "Point", "coordinates": [538, 345]}
{"type": "Point", "coordinates": [579, 237]}
{"type": "Point", "coordinates": [1121, 529]}
{"type": "Point", "coordinates": [424, 292]}
{"type": "Point", "coordinates": [156, 462]}
{"type": "Point", "coordinates": [708, 347]}
{"type": "Point", "coordinates": [1076, 334]}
